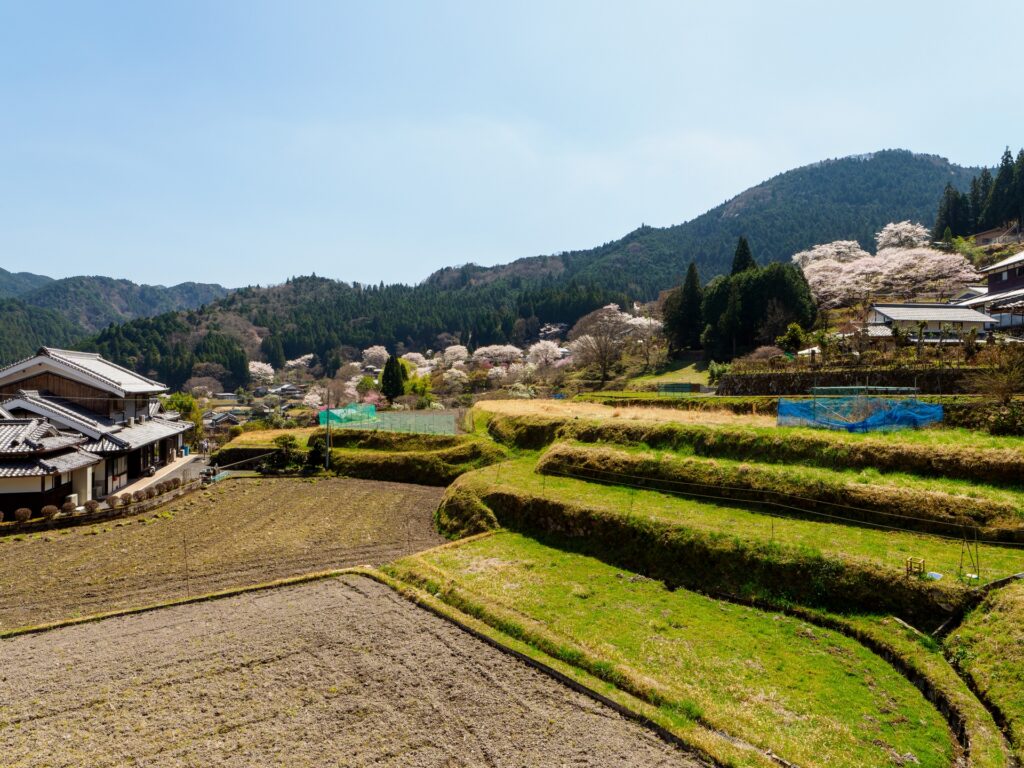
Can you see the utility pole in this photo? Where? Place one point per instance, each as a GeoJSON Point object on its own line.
{"type": "Point", "coordinates": [327, 453]}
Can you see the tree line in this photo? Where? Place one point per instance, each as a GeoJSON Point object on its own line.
{"type": "Point", "coordinates": [990, 201]}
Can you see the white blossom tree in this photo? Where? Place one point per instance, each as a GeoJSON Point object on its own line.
{"type": "Point", "coordinates": [498, 354]}
{"type": "Point", "coordinates": [417, 360]}
{"type": "Point", "coordinates": [599, 338]}
{"type": "Point", "coordinates": [304, 361]}
{"type": "Point", "coordinates": [902, 234]}
{"type": "Point", "coordinates": [838, 277]}
{"type": "Point", "coordinates": [543, 353]}
{"type": "Point", "coordinates": [455, 379]}
{"type": "Point", "coordinates": [456, 353]}
{"type": "Point", "coordinates": [261, 372]}
{"type": "Point", "coordinates": [375, 356]}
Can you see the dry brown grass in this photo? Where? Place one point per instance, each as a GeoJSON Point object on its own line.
{"type": "Point", "coordinates": [259, 438]}
{"type": "Point", "coordinates": [567, 409]}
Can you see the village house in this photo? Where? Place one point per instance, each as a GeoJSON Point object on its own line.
{"type": "Point", "coordinates": [1003, 295]}
{"type": "Point", "coordinates": [112, 415]}
{"type": "Point", "coordinates": [40, 465]}
{"type": "Point", "coordinates": [942, 322]}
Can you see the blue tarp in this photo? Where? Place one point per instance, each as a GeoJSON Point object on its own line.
{"type": "Point", "coordinates": [858, 414]}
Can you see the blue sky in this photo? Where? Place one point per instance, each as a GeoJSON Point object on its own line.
{"type": "Point", "coordinates": [245, 142]}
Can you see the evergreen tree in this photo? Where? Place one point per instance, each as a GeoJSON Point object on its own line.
{"type": "Point", "coordinates": [1000, 206]}
{"type": "Point", "coordinates": [391, 383]}
{"type": "Point", "coordinates": [1018, 190]}
{"type": "Point", "coordinates": [743, 259]}
{"type": "Point", "coordinates": [682, 313]}
{"type": "Point", "coordinates": [731, 320]}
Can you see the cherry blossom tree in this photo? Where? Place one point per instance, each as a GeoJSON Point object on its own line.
{"type": "Point", "coordinates": [543, 353]}
{"type": "Point", "coordinates": [455, 379]}
{"type": "Point", "coordinates": [840, 274]}
{"type": "Point", "coordinates": [375, 356]}
{"type": "Point", "coordinates": [417, 360]}
{"type": "Point", "coordinates": [456, 353]}
{"type": "Point", "coordinates": [498, 354]}
{"type": "Point", "coordinates": [902, 234]}
{"type": "Point", "coordinates": [261, 372]}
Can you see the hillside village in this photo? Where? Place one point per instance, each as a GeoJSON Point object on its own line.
{"type": "Point", "coordinates": [366, 459]}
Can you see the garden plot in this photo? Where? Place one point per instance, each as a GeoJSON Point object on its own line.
{"type": "Point", "coordinates": [575, 409]}
{"type": "Point", "coordinates": [237, 533]}
{"type": "Point", "coordinates": [340, 672]}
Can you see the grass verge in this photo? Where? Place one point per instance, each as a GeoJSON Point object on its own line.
{"type": "Point", "coordinates": [989, 649]}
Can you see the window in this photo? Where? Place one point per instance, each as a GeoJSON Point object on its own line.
{"type": "Point", "coordinates": [65, 477]}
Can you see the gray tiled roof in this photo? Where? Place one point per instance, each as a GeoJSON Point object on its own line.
{"type": "Point", "coordinates": [87, 366]}
{"type": "Point", "coordinates": [51, 465]}
{"type": "Point", "coordinates": [129, 438]}
{"type": "Point", "coordinates": [944, 313]}
{"type": "Point", "coordinates": [995, 299]}
{"type": "Point", "coordinates": [26, 436]}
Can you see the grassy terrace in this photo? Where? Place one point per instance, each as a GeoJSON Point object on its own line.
{"type": "Point", "coordinates": [770, 680]}
{"type": "Point", "coordinates": [989, 648]}
{"type": "Point", "coordinates": [887, 548]}
{"type": "Point", "coordinates": [1007, 503]}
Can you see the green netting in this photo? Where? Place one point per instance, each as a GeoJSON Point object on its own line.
{"type": "Point", "coordinates": [360, 416]}
{"type": "Point", "coordinates": [357, 413]}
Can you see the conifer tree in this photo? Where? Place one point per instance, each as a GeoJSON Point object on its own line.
{"type": "Point", "coordinates": [391, 384]}
{"type": "Point", "coordinates": [743, 259]}
{"type": "Point", "coordinates": [682, 312]}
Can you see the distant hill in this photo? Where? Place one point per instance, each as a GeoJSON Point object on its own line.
{"type": "Point", "coordinates": [36, 310]}
{"type": "Point", "coordinates": [93, 303]}
{"type": "Point", "coordinates": [849, 198]}
{"type": "Point", "coordinates": [13, 284]}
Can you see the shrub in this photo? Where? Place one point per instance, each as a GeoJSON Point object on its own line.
{"type": "Point", "coordinates": [22, 514]}
{"type": "Point", "coordinates": [175, 483]}
{"type": "Point", "coordinates": [92, 505]}
{"type": "Point", "coordinates": [139, 496]}
{"type": "Point", "coordinates": [68, 507]}
{"type": "Point", "coordinates": [48, 511]}
{"type": "Point", "coordinates": [126, 499]}
{"type": "Point", "coordinates": [150, 492]}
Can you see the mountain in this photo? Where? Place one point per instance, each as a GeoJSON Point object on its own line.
{"type": "Point", "coordinates": [93, 303]}
{"type": "Point", "coordinates": [14, 284]}
{"type": "Point", "coordinates": [36, 310]}
{"type": "Point", "coordinates": [849, 199]}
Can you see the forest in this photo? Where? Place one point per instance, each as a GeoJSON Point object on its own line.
{"type": "Point", "coordinates": [991, 201]}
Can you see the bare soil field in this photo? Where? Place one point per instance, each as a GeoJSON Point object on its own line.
{"type": "Point", "coordinates": [341, 672]}
{"type": "Point", "coordinates": [237, 533]}
{"type": "Point", "coordinates": [566, 408]}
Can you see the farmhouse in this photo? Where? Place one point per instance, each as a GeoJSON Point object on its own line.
{"type": "Point", "coordinates": [112, 413]}
{"type": "Point", "coordinates": [942, 322]}
{"type": "Point", "coordinates": [41, 465]}
{"type": "Point", "coordinates": [1003, 296]}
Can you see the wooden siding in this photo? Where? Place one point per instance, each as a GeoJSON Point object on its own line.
{"type": "Point", "coordinates": [81, 394]}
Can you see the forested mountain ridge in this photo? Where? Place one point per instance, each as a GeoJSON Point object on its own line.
{"type": "Point", "coordinates": [14, 284]}
{"type": "Point", "coordinates": [37, 310]}
{"type": "Point", "coordinates": [848, 198]}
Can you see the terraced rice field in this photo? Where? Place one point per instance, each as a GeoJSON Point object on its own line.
{"type": "Point", "coordinates": [340, 672]}
{"type": "Point", "coordinates": [239, 532]}
{"type": "Point", "coordinates": [810, 695]}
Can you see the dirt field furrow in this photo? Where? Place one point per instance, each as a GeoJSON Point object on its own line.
{"type": "Point", "coordinates": [340, 672]}
{"type": "Point", "coordinates": [238, 533]}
